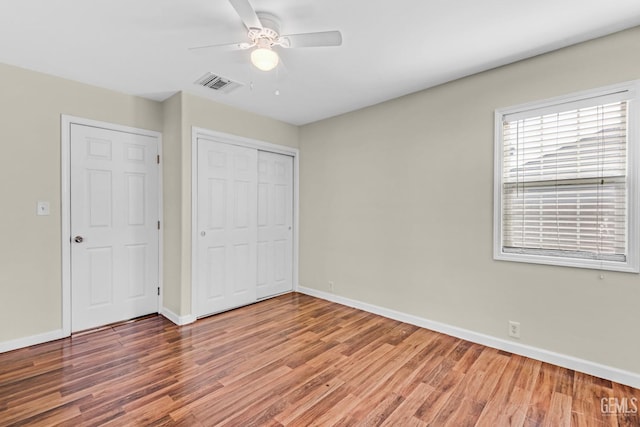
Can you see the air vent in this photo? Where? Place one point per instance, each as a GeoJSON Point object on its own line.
{"type": "Point", "coordinates": [217, 83]}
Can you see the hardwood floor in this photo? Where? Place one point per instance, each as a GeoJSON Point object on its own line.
{"type": "Point", "coordinates": [294, 360]}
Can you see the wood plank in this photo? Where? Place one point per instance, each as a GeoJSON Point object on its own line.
{"type": "Point", "coordinates": [404, 414]}
{"type": "Point", "coordinates": [293, 360]}
{"type": "Point", "coordinates": [559, 414]}
{"type": "Point", "coordinates": [543, 390]}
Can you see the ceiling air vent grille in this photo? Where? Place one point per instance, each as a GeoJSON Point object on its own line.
{"type": "Point", "coordinates": [217, 83]}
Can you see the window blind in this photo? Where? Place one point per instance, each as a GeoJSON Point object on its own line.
{"type": "Point", "coordinates": [564, 181]}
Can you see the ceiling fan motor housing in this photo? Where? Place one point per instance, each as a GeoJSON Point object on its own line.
{"type": "Point", "coordinates": [270, 29]}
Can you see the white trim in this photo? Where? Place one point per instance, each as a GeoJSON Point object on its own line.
{"type": "Point", "coordinates": [296, 219]}
{"type": "Point", "coordinates": [178, 320]}
{"type": "Point", "coordinates": [242, 141]}
{"type": "Point", "coordinates": [65, 204]}
{"type": "Point", "coordinates": [592, 368]}
{"type": "Point", "coordinates": [498, 159]}
{"type": "Point", "coordinates": [226, 138]}
{"type": "Point", "coordinates": [528, 109]}
{"type": "Point", "coordinates": [65, 218]}
{"type": "Point", "coordinates": [161, 219]}
{"type": "Point", "coordinates": [194, 218]}
{"type": "Point", "coordinates": [617, 91]}
{"type": "Point", "coordinates": [32, 340]}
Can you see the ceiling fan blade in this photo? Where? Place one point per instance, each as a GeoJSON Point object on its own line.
{"type": "Point", "coordinates": [324, 38]}
{"type": "Point", "coordinates": [223, 47]}
{"type": "Point", "coordinates": [247, 14]}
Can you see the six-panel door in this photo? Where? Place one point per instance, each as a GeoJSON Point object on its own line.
{"type": "Point", "coordinates": [275, 224]}
{"type": "Point", "coordinates": [114, 226]}
{"type": "Point", "coordinates": [226, 226]}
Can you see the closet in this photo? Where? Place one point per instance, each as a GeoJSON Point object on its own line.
{"type": "Point", "coordinates": [244, 218]}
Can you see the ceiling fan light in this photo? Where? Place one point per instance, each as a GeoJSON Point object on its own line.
{"type": "Point", "coordinates": [264, 59]}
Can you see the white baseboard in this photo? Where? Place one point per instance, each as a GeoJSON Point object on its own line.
{"type": "Point", "coordinates": [32, 340]}
{"type": "Point", "coordinates": [178, 320]}
{"type": "Point", "coordinates": [602, 371]}
{"type": "Point", "coordinates": [60, 333]}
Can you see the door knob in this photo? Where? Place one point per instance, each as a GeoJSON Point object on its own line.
{"type": "Point", "coordinates": [78, 239]}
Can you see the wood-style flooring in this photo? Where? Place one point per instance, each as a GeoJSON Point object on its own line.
{"type": "Point", "coordinates": [294, 360]}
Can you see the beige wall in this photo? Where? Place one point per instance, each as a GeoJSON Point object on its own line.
{"type": "Point", "coordinates": [396, 209]}
{"type": "Point", "coordinates": [30, 255]}
{"type": "Point", "coordinates": [172, 201]}
{"type": "Point", "coordinates": [200, 112]}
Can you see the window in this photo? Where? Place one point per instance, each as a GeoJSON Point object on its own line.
{"type": "Point", "coordinates": [566, 181]}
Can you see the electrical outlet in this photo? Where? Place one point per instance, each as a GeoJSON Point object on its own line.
{"type": "Point", "coordinates": [331, 286]}
{"type": "Point", "coordinates": [514, 329]}
{"type": "Point", "coordinates": [43, 208]}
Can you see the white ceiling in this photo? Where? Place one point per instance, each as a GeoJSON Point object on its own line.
{"type": "Point", "coordinates": [390, 48]}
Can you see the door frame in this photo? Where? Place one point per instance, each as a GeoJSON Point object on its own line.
{"type": "Point", "coordinates": [66, 121]}
{"type": "Point", "coordinates": [225, 138]}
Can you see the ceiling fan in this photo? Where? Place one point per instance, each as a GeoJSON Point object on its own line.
{"type": "Point", "coordinates": [264, 35]}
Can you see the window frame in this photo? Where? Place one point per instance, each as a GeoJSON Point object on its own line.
{"type": "Point", "coordinates": [632, 263]}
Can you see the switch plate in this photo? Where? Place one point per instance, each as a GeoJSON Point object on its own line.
{"type": "Point", "coordinates": [43, 208]}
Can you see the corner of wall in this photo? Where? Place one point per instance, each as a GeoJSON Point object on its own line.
{"type": "Point", "coordinates": [172, 199]}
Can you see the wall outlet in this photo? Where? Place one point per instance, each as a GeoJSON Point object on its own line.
{"type": "Point", "coordinates": [42, 208]}
{"type": "Point", "coordinates": [330, 286]}
{"type": "Point", "coordinates": [514, 329]}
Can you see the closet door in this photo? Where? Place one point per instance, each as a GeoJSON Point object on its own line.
{"type": "Point", "coordinates": [275, 224]}
{"type": "Point", "coordinates": [226, 226]}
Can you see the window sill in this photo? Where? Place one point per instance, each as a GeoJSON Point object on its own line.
{"type": "Point", "coordinates": [626, 267]}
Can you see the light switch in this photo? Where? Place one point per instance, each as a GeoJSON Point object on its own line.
{"type": "Point", "coordinates": [43, 208]}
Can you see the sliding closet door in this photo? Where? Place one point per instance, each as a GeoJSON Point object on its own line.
{"type": "Point", "coordinates": [275, 224]}
{"type": "Point", "coordinates": [226, 226]}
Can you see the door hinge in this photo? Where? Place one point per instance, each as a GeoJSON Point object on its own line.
{"type": "Point", "coordinates": [158, 225]}
{"type": "Point", "coordinates": [158, 290]}
{"type": "Point", "coordinates": [158, 158]}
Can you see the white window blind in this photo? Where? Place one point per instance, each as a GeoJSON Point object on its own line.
{"type": "Point", "coordinates": [564, 180]}
{"type": "Point", "coordinates": [564, 183]}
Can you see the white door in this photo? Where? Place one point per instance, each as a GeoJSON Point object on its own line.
{"type": "Point", "coordinates": [226, 231]}
{"type": "Point", "coordinates": [114, 226]}
{"type": "Point", "coordinates": [275, 223]}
